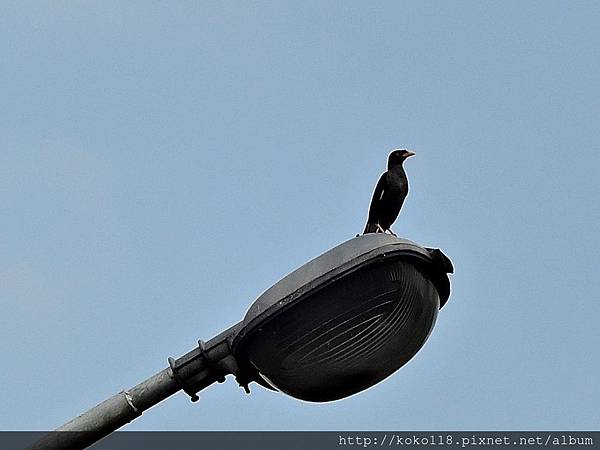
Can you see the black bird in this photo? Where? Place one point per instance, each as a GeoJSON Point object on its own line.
{"type": "Point", "coordinates": [389, 195]}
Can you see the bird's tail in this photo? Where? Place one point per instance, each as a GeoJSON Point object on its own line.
{"type": "Point", "coordinates": [370, 228]}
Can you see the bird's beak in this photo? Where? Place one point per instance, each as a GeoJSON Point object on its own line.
{"type": "Point", "coordinates": [409, 154]}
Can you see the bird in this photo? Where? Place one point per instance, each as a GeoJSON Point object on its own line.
{"type": "Point", "coordinates": [389, 194]}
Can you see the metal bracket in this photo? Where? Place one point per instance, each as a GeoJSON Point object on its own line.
{"type": "Point", "coordinates": [177, 365]}
{"type": "Point", "coordinates": [208, 363]}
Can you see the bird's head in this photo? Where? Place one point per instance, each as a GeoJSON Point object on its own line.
{"type": "Point", "coordinates": [398, 156]}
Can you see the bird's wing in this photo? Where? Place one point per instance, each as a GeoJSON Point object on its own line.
{"type": "Point", "coordinates": [375, 207]}
{"type": "Point", "coordinates": [378, 193]}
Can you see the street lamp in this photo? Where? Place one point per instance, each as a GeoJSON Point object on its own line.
{"type": "Point", "coordinates": [332, 328]}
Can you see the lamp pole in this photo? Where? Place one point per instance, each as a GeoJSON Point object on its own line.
{"type": "Point", "coordinates": [197, 369]}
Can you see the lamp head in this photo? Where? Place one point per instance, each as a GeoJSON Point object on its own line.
{"type": "Point", "coordinates": [344, 321]}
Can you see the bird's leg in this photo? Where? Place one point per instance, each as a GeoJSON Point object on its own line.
{"type": "Point", "coordinates": [379, 229]}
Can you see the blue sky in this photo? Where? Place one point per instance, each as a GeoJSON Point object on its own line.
{"type": "Point", "coordinates": [161, 165]}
